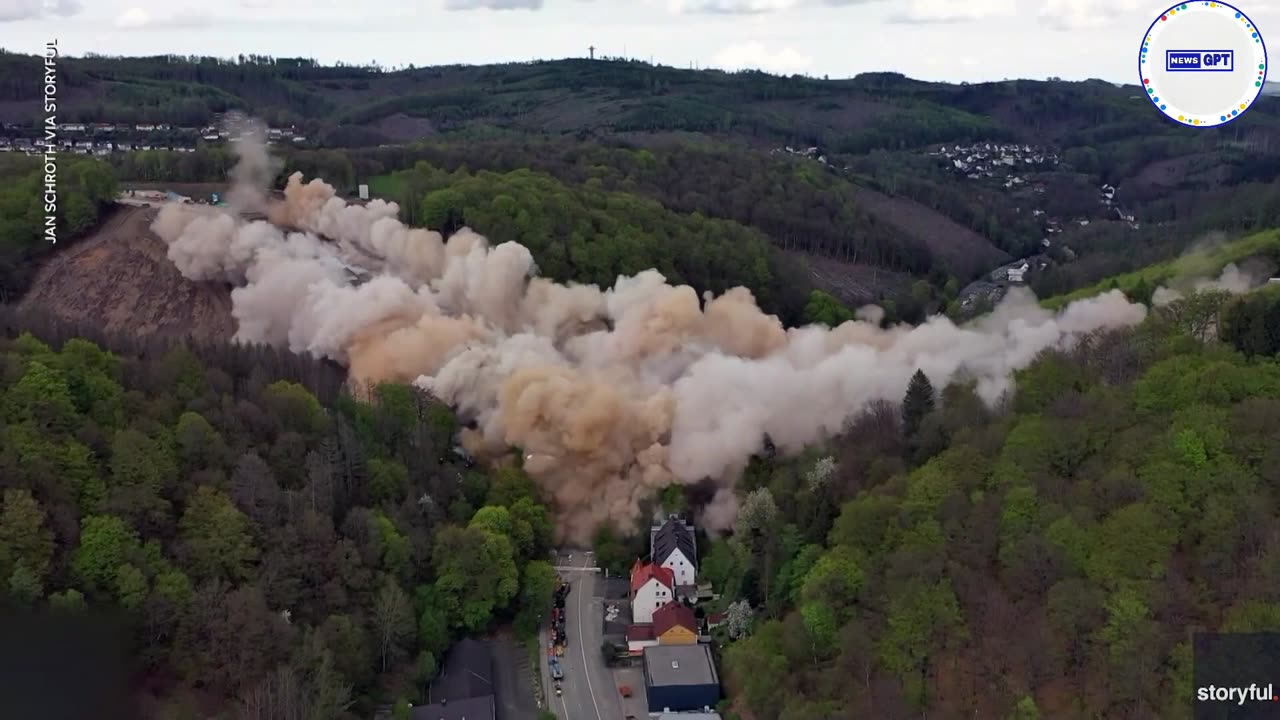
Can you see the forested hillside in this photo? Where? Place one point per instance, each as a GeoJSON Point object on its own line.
{"type": "Point", "coordinates": [86, 190]}
{"type": "Point", "coordinates": [277, 547]}
{"type": "Point", "coordinates": [1045, 558]}
{"type": "Point", "coordinates": [879, 199]}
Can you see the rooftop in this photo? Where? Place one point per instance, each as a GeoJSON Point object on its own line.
{"type": "Point", "coordinates": [468, 673]}
{"type": "Point", "coordinates": [671, 615]}
{"type": "Point", "coordinates": [641, 573]}
{"type": "Point", "coordinates": [679, 665]}
{"type": "Point", "coordinates": [674, 534]}
{"type": "Point", "coordinates": [637, 633]}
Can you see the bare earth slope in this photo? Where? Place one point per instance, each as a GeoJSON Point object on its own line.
{"type": "Point", "coordinates": [962, 249]}
{"type": "Point", "coordinates": [120, 279]}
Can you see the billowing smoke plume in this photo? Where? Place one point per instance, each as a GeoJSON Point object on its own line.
{"type": "Point", "coordinates": [610, 394]}
{"type": "Point", "coordinates": [1234, 280]}
{"type": "Point", "coordinates": [257, 167]}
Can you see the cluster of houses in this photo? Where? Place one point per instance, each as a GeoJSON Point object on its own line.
{"type": "Point", "coordinates": [992, 160]}
{"type": "Point", "coordinates": [108, 138]}
{"type": "Point", "coordinates": [665, 633]}
{"type": "Point", "coordinates": [811, 152]}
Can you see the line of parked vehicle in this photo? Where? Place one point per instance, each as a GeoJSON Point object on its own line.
{"type": "Point", "coordinates": [559, 639]}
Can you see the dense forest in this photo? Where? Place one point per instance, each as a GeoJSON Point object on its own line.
{"type": "Point", "coordinates": [1047, 557]}
{"type": "Point", "coordinates": [86, 190]}
{"type": "Point", "coordinates": [276, 546]}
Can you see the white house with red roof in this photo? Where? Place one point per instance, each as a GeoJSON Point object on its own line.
{"type": "Point", "coordinates": [652, 586]}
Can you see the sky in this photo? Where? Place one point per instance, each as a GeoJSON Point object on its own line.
{"type": "Point", "coordinates": [952, 40]}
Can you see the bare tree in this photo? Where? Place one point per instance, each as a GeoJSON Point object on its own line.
{"type": "Point", "coordinates": [392, 621]}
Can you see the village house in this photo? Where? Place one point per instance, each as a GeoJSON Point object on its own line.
{"type": "Point", "coordinates": [675, 624]}
{"type": "Point", "coordinates": [1018, 273]}
{"type": "Point", "coordinates": [640, 637]}
{"type": "Point", "coordinates": [672, 546]}
{"type": "Point", "coordinates": [652, 586]}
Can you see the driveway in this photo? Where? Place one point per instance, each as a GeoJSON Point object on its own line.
{"type": "Point", "coordinates": [589, 689]}
{"type": "Point", "coordinates": [637, 705]}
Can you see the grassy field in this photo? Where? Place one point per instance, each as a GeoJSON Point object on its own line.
{"type": "Point", "coordinates": [1204, 263]}
{"type": "Point", "coordinates": [384, 186]}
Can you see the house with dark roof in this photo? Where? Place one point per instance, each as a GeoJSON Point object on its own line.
{"type": "Point", "coordinates": [652, 586]}
{"type": "Point", "coordinates": [680, 678]}
{"type": "Point", "coordinates": [675, 624]}
{"type": "Point", "coordinates": [673, 547]}
{"type": "Point", "coordinates": [464, 688]}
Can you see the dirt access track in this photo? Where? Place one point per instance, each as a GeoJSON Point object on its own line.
{"type": "Point", "coordinates": [120, 279]}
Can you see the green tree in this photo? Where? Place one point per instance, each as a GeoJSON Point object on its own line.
{"type": "Point", "coordinates": [141, 471]}
{"type": "Point", "coordinates": [476, 575]}
{"type": "Point", "coordinates": [917, 404]}
{"type": "Point", "coordinates": [537, 588]}
{"type": "Point", "coordinates": [921, 620]}
{"type": "Point", "coordinates": [199, 445]}
{"type": "Point", "coordinates": [24, 539]}
{"type": "Point", "coordinates": [43, 396]}
{"type": "Point", "coordinates": [294, 406]}
{"type": "Point", "coordinates": [69, 600]}
{"type": "Point", "coordinates": [1025, 709]}
{"type": "Point", "coordinates": [826, 309]}
{"type": "Point", "coordinates": [214, 537]}
{"type": "Point", "coordinates": [130, 586]}
{"type": "Point", "coordinates": [388, 481]}
{"type": "Point", "coordinates": [106, 542]}
{"type": "Point", "coordinates": [24, 585]}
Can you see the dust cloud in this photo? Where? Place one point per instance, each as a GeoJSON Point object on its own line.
{"type": "Point", "coordinates": [611, 394]}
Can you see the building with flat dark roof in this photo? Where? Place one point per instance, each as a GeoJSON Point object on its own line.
{"type": "Point", "coordinates": [680, 678]}
{"type": "Point", "coordinates": [464, 689]}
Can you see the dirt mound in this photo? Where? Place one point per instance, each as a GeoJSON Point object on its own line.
{"type": "Point", "coordinates": [120, 279]}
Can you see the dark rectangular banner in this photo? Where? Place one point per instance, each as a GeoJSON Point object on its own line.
{"type": "Point", "coordinates": [1236, 676]}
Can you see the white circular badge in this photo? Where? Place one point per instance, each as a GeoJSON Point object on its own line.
{"type": "Point", "coordinates": [1203, 64]}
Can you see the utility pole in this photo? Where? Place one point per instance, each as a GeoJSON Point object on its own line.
{"type": "Point", "coordinates": [593, 52]}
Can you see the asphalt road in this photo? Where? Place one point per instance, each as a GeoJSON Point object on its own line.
{"type": "Point", "coordinates": [589, 690]}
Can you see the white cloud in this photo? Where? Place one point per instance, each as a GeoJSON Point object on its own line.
{"type": "Point", "coordinates": [493, 4]}
{"type": "Point", "coordinates": [731, 7]}
{"type": "Point", "coordinates": [13, 10]}
{"type": "Point", "coordinates": [947, 11]}
{"type": "Point", "coordinates": [755, 56]}
{"type": "Point", "coordinates": [1086, 14]}
{"type": "Point", "coordinates": [134, 17]}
